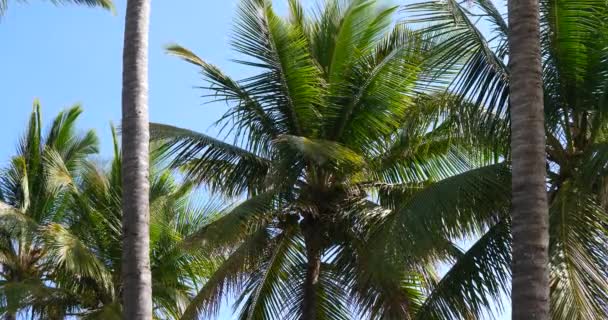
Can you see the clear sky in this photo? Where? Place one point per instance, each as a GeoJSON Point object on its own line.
{"type": "Point", "coordinates": [66, 55]}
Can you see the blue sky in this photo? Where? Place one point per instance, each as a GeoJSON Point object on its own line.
{"type": "Point", "coordinates": [67, 55]}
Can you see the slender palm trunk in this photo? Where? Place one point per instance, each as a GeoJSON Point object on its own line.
{"type": "Point", "coordinates": [312, 241]}
{"type": "Point", "coordinates": [530, 295]}
{"type": "Point", "coordinates": [137, 282]}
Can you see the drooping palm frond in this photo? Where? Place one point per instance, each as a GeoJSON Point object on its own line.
{"type": "Point", "coordinates": [229, 277]}
{"type": "Point", "coordinates": [220, 165]}
{"type": "Point", "coordinates": [480, 199]}
{"type": "Point", "coordinates": [66, 251]}
{"type": "Point", "coordinates": [569, 48]}
{"type": "Point", "coordinates": [106, 4]}
{"type": "Point", "coordinates": [333, 298]}
{"type": "Point", "coordinates": [475, 281]}
{"type": "Point", "coordinates": [377, 287]}
{"type": "Point", "coordinates": [461, 47]}
{"type": "Point", "coordinates": [578, 255]}
{"type": "Point", "coordinates": [236, 223]}
{"type": "Point", "coordinates": [266, 295]}
{"type": "Point", "coordinates": [322, 152]}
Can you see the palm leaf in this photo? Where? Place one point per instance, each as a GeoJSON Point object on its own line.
{"type": "Point", "coordinates": [578, 281]}
{"type": "Point", "coordinates": [476, 280]}
{"type": "Point", "coordinates": [228, 278]}
{"type": "Point", "coordinates": [462, 46]}
{"type": "Point", "coordinates": [247, 112]}
{"type": "Point", "coordinates": [289, 86]}
{"type": "Point", "coordinates": [65, 251]}
{"type": "Point", "coordinates": [220, 165]}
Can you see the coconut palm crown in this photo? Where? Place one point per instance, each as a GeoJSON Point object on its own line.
{"type": "Point", "coordinates": [347, 158]}
{"type": "Point", "coordinates": [60, 225]}
{"type": "Point", "coordinates": [31, 204]}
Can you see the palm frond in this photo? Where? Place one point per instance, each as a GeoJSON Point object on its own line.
{"type": "Point", "coordinates": [229, 277]}
{"type": "Point", "coordinates": [67, 252]}
{"type": "Point", "coordinates": [475, 281]}
{"type": "Point", "coordinates": [322, 151]}
{"type": "Point", "coordinates": [482, 197]}
{"type": "Point", "coordinates": [578, 279]}
{"type": "Point", "coordinates": [247, 113]}
{"type": "Point", "coordinates": [289, 86]}
{"type": "Point", "coordinates": [379, 89]}
{"type": "Point", "coordinates": [267, 291]}
{"type": "Point", "coordinates": [236, 223]}
{"type": "Point", "coordinates": [481, 73]}
{"type": "Point", "coordinates": [222, 166]}
{"type": "Point", "coordinates": [105, 4]}
{"type": "Point", "coordinates": [569, 44]}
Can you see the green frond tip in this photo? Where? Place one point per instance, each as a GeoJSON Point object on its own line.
{"type": "Point", "coordinates": [181, 52]}
{"type": "Point", "coordinates": [115, 142]}
{"type": "Point", "coordinates": [105, 4]}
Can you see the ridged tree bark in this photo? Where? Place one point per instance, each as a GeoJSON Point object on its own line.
{"type": "Point", "coordinates": [136, 277]}
{"type": "Point", "coordinates": [312, 241]}
{"type": "Point", "coordinates": [530, 217]}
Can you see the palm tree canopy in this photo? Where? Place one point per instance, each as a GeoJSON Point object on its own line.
{"type": "Point", "coordinates": [86, 245]}
{"type": "Point", "coordinates": [105, 4]}
{"type": "Point", "coordinates": [573, 44]}
{"type": "Point", "coordinates": [340, 136]}
{"type": "Point", "coordinates": [32, 203]}
{"type": "Point", "coordinates": [60, 215]}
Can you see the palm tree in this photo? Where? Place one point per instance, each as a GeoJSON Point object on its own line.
{"type": "Point", "coordinates": [30, 204]}
{"type": "Point", "coordinates": [572, 43]}
{"type": "Point", "coordinates": [61, 240]}
{"type": "Point", "coordinates": [106, 4]}
{"type": "Point", "coordinates": [84, 246]}
{"type": "Point", "coordinates": [137, 286]}
{"type": "Point", "coordinates": [336, 118]}
{"type": "Point", "coordinates": [530, 211]}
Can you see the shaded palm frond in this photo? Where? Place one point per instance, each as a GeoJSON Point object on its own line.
{"type": "Point", "coordinates": [476, 280]}
{"type": "Point", "coordinates": [204, 159]}
{"type": "Point", "coordinates": [578, 255]}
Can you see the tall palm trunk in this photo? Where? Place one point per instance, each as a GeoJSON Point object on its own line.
{"type": "Point", "coordinates": [530, 295]}
{"type": "Point", "coordinates": [312, 240]}
{"type": "Point", "coordinates": [136, 277]}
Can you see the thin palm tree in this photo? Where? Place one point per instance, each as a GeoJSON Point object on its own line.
{"type": "Point", "coordinates": [572, 44]}
{"type": "Point", "coordinates": [137, 286]}
{"type": "Point", "coordinates": [30, 204]}
{"type": "Point", "coordinates": [530, 211]}
{"type": "Point", "coordinates": [348, 171]}
{"type": "Point", "coordinates": [61, 240]}
{"type": "Point", "coordinates": [84, 246]}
